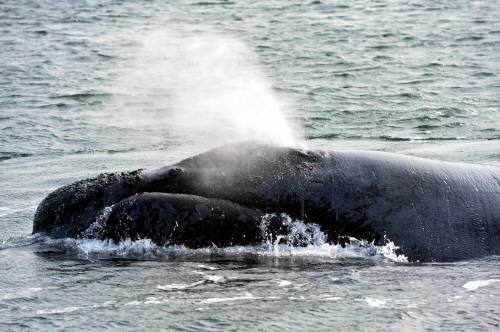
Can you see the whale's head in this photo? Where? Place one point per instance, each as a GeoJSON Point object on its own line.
{"type": "Point", "coordinates": [71, 209]}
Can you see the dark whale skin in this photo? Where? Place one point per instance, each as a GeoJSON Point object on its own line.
{"type": "Point", "coordinates": [71, 209]}
{"type": "Point", "coordinates": [435, 211]}
{"type": "Point", "coordinates": [178, 219]}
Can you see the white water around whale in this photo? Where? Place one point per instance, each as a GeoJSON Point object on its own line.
{"type": "Point", "coordinates": [295, 239]}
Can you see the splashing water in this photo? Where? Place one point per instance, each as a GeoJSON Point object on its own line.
{"type": "Point", "coordinates": [282, 237]}
{"type": "Point", "coordinates": [282, 229]}
{"type": "Point", "coordinates": [203, 85]}
{"type": "Point", "coordinates": [96, 228]}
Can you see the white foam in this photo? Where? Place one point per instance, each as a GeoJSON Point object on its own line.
{"type": "Point", "coordinates": [104, 305]}
{"type": "Point", "coordinates": [74, 308]}
{"type": "Point", "coordinates": [133, 303]}
{"type": "Point", "coordinates": [215, 279]}
{"type": "Point", "coordinates": [145, 248]}
{"type": "Point", "coordinates": [296, 240]}
{"type": "Point", "coordinates": [154, 300]}
{"type": "Point", "coordinates": [284, 283]}
{"type": "Point", "coordinates": [126, 248]}
{"type": "Point", "coordinates": [301, 239]}
{"type": "Point", "coordinates": [330, 298]}
{"type": "Point", "coordinates": [57, 311]}
{"type": "Point", "coordinates": [389, 252]}
{"type": "Point", "coordinates": [170, 287]}
{"type": "Point", "coordinates": [207, 267]}
{"type": "Point", "coordinates": [246, 296]}
{"type": "Point", "coordinates": [376, 303]}
{"type": "Point", "coordinates": [211, 278]}
{"type": "Point", "coordinates": [475, 284]}
{"type": "Point", "coordinates": [207, 278]}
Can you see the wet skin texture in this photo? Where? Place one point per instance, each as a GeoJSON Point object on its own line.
{"type": "Point", "coordinates": [435, 211]}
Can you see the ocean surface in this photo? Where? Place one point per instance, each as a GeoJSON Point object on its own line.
{"type": "Point", "coordinates": [94, 86]}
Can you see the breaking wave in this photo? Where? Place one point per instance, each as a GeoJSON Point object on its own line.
{"type": "Point", "coordinates": [283, 237]}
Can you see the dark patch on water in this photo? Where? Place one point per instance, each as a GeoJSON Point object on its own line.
{"type": "Point", "coordinates": [9, 155]}
{"type": "Point", "coordinates": [213, 3]}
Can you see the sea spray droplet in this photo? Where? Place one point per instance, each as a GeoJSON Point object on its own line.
{"type": "Point", "coordinates": [200, 84]}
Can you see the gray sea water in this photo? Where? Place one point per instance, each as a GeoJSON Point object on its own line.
{"type": "Point", "coordinates": [94, 86]}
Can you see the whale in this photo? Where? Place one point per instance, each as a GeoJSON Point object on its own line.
{"type": "Point", "coordinates": [434, 211]}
